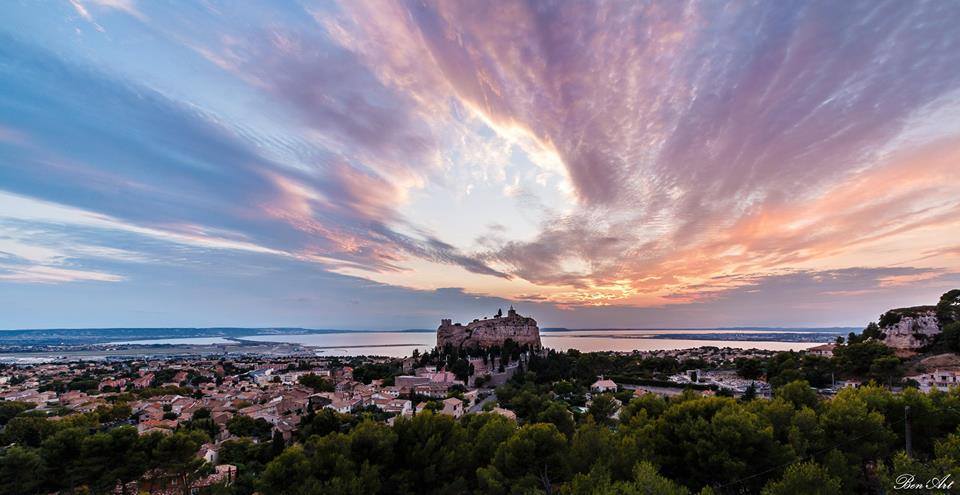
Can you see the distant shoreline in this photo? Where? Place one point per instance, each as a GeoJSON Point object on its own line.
{"type": "Point", "coordinates": [167, 343]}
{"type": "Point", "coordinates": [59, 340]}
{"type": "Point", "coordinates": [288, 330]}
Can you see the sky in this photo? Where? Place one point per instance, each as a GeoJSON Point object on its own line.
{"type": "Point", "coordinates": [382, 165]}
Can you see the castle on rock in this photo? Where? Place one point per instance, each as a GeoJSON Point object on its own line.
{"type": "Point", "coordinates": [490, 332]}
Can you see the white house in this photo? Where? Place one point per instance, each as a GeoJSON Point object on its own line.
{"type": "Point", "coordinates": [208, 452]}
{"type": "Point", "coordinates": [343, 406]}
{"type": "Point", "coordinates": [938, 380]}
{"type": "Point", "coordinates": [603, 385]}
{"type": "Point", "coordinates": [825, 350]}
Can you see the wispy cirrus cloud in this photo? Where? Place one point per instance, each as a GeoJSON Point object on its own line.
{"type": "Point", "coordinates": [193, 175]}
{"type": "Point", "coordinates": [694, 149]}
{"type": "Point", "coordinates": [630, 156]}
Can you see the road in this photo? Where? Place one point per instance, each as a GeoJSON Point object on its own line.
{"type": "Point", "coordinates": [478, 407]}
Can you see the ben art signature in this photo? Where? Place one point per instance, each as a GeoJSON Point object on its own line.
{"type": "Point", "coordinates": [908, 481]}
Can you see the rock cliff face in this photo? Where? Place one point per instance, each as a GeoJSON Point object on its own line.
{"type": "Point", "coordinates": [490, 332]}
{"type": "Point", "coordinates": [910, 328]}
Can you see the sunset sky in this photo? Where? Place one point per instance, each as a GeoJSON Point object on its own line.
{"type": "Point", "coordinates": [380, 165]}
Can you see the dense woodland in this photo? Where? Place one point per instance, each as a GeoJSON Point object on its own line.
{"type": "Point", "coordinates": [563, 442]}
{"type": "Point", "coordinates": [794, 443]}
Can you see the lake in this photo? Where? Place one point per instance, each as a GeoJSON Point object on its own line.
{"type": "Point", "coordinates": [399, 344]}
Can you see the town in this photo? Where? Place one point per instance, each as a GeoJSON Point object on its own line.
{"type": "Point", "coordinates": [233, 414]}
{"type": "Point", "coordinates": [267, 399]}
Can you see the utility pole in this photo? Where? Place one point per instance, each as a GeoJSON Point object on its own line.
{"type": "Point", "coordinates": [906, 421]}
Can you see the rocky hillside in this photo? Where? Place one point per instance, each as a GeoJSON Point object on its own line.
{"type": "Point", "coordinates": [916, 328]}
{"type": "Point", "coordinates": [490, 332]}
{"type": "Point", "coordinates": [910, 328]}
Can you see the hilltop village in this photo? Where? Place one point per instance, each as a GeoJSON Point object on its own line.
{"type": "Point", "coordinates": [230, 424]}
{"type": "Point", "coordinates": [487, 333]}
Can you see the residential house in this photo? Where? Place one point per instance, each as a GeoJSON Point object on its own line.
{"type": "Point", "coordinates": [452, 407]}
{"type": "Point", "coordinates": [825, 350]}
{"type": "Point", "coordinates": [603, 385]}
{"type": "Point", "coordinates": [938, 380]}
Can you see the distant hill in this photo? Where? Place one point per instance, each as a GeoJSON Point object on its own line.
{"type": "Point", "coordinates": [86, 336]}
{"type": "Point", "coordinates": [837, 330]}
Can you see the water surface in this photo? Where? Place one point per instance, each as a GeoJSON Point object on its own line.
{"type": "Point", "coordinates": [398, 344]}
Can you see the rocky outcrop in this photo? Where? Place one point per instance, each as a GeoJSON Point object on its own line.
{"type": "Point", "coordinates": [490, 332]}
{"type": "Point", "coordinates": [910, 328]}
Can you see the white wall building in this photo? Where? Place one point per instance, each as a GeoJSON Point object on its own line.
{"type": "Point", "coordinates": [603, 385]}
{"type": "Point", "coordinates": [938, 380]}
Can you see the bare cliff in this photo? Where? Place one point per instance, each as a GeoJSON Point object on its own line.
{"type": "Point", "coordinates": [919, 328]}
{"type": "Point", "coordinates": [490, 332]}
{"type": "Point", "coordinates": [910, 328]}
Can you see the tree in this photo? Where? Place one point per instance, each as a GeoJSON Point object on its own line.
{"type": "Point", "coordinates": [947, 455]}
{"type": "Point", "coordinates": [334, 471]}
{"type": "Point", "coordinates": [206, 425]}
{"type": "Point", "coordinates": [176, 456]}
{"type": "Point", "coordinates": [19, 467]}
{"type": "Point", "coordinates": [433, 447]}
{"type": "Point", "coordinates": [487, 432]}
{"type": "Point", "coordinates": [786, 367]}
{"type": "Point", "coordinates": [127, 462]}
{"type": "Point", "coordinates": [712, 440]}
{"type": "Point", "coordinates": [886, 369]}
{"type": "Point", "coordinates": [28, 430]}
{"type": "Point", "coordinates": [241, 451]}
{"type": "Point", "coordinates": [949, 338]}
{"type": "Point", "coordinates": [592, 444]}
{"type": "Point", "coordinates": [563, 387]}
{"type": "Point", "coordinates": [286, 475]}
{"type": "Point", "coordinates": [805, 435]}
{"type": "Point", "coordinates": [117, 412]}
{"type": "Point", "coordinates": [535, 457]}
{"type": "Point", "coordinates": [277, 444]}
{"type": "Point", "coordinates": [245, 426]}
{"type": "Point", "coordinates": [799, 393]}
{"type": "Point", "coordinates": [602, 408]}
{"type": "Point", "coordinates": [861, 434]}
{"type": "Point", "coordinates": [948, 308]}
{"type": "Point", "coordinates": [372, 443]}
{"type": "Point", "coordinates": [109, 457]}
{"type": "Point", "coordinates": [652, 404]}
{"type": "Point", "coordinates": [62, 453]}
{"type": "Point", "coordinates": [316, 382]}
{"type": "Point", "coordinates": [462, 369]}
{"type": "Point", "coordinates": [750, 393]}
{"type": "Point", "coordinates": [872, 331]}
{"type": "Point", "coordinates": [645, 481]}
{"type": "Point", "coordinates": [557, 414]}
{"type": "Point", "coordinates": [804, 478]}
{"type": "Point", "coordinates": [10, 408]}
{"type": "Point", "coordinates": [323, 422]}
{"type": "Point", "coordinates": [749, 368]}
{"type": "Point", "coordinates": [856, 359]}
